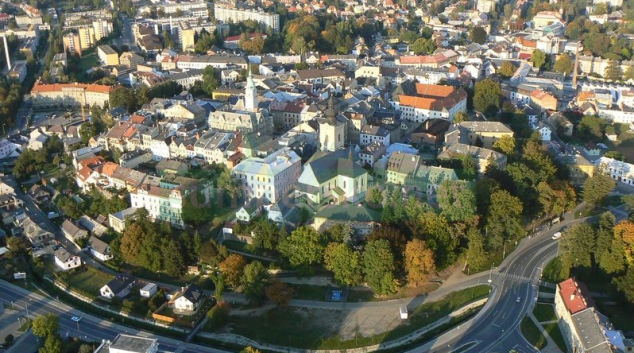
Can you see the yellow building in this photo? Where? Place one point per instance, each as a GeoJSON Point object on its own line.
{"type": "Point", "coordinates": [107, 55]}
{"type": "Point", "coordinates": [72, 94]}
{"type": "Point", "coordinates": [483, 133]}
{"type": "Point", "coordinates": [186, 36]}
{"type": "Point", "coordinates": [72, 44]}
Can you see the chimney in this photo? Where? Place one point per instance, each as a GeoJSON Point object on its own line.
{"type": "Point", "coordinates": [572, 297]}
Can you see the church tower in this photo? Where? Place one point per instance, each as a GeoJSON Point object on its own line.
{"type": "Point", "coordinates": [332, 134]}
{"type": "Point", "coordinates": [251, 93]}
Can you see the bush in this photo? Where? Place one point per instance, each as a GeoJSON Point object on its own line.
{"type": "Point", "coordinates": [217, 316]}
{"type": "Point", "coordinates": [8, 340]}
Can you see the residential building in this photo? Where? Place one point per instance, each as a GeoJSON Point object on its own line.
{"type": "Point", "coordinates": [99, 249]}
{"type": "Point", "coordinates": [546, 18]}
{"type": "Point", "coordinates": [72, 232]}
{"type": "Point", "coordinates": [117, 220]}
{"type": "Point", "coordinates": [400, 165]}
{"type": "Point", "coordinates": [580, 169]}
{"type": "Point", "coordinates": [281, 210]}
{"type": "Point", "coordinates": [162, 204]}
{"type": "Point", "coordinates": [269, 178]}
{"type": "Point", "coordinates": [372, 153]}
{"type": "Point", "coordinates": [72, 44]}
{"type": "Point", "coordinates": [544, 100]}
{"type": "Point", "coordinates": [333, 176]}
{"type": "Point", "coordinates": [251, 209]}
{"type": "Point", "coordinates": [425, 180]}
{"type": "Point", "coordinates": [129, 344]}
{"type": "Point", "coordinates": [130, 59]}
{"type": "Point", "coordinates": [374, 133]}
{"type": "Point", "coordinates": [419, 102]}
{"type": "Point", "coordinates": [620, 171]}
{"type": "Point", "coordinates": [65, 260]}
{"type": "Point", "coordinates": [482, 156]}
{"type": "Point", "coordinates": [119, 287]}
{"type": "Point", "coordinates": [225, 13]}
{"type": "Point", "coordinates": [362, 219]}
{"type": "Point", "coordinates": [148, 290]}
{"type": "Point", "coordinates": [482, 133]}
{"type": "Point", "coordinates": [69, 94]}
{"type": "Point", "coordinates": [107, 55]}
{"type": "Point", "coordinates": [188, 299]}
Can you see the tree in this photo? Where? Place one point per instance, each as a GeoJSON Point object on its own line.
{"type": "Point", "coordinates": [250, 350]}
{"type": "Point", "coordinates": [231, 186]}
{"type": "Point", "coordinates": [478, 35]}
{"type": "Point", "coordinates": [344, 262]}
{"type": "Point", "coordinates": [487, 97]}
{"type": "Point", "coordinates": [196, 210]}
{"type": "Point", "coordinates": [538, 58]}
{"type": "Point", "coordinates": [456, 200]}
{"type": "Point", "coordinates": [52, 344]}
{"type": "Point", "coordinates": [564, 64]}
{"type": "Point", "coordinates": [504, 221]}
{"type": "Point", "coordinates": [8, 340]}
{"type": "Point", "coordinates": [624, 233]}
{"type": "Point", "coordinates": [213, 253]}
{"type": "Point", "coordinates": [232, 268]}
{"type": "Point", "coordinates": [476, 254]}
{"type": "Point", "coordinates": [378, 266]}
{"type": "Point", "coordinates": [266, 235]}
{"type": "Point", "coordinates": [123, 97]}
{"type": "Point", "coordinates": [424, 46]}
{"type": "Point", "coordinates": [506, 145]}
{"type": "Point", "coordinates": [395, 238]}
{"type": "Point", "coordinates": [507, 69]}
{"type": "Point", "coordinates": [619, 156]}
{"type": "Point", "coordinates": [613, 71]}
{"type": "Point", "coordinates": [419, 261]}
{"type": "Point", "coordinates": [629, 74]}
{"type": "Point", "coordinates": [577, 246]}
{"type": "Point", "coordinates": [625, 284]}
{"type": "Point", "coordinates": [45, 325]}
{"type": "Point", "coordinates": [254, 281]}
{"type": "Point", "coordinates": [597, 187]}
{"type": "Point", "coordinates": [303, 247]}
{"type": "Point", "coordinates": [468, 166]}
{"type": "Point", "coordinates": [173, 260]}
{"type": "Point", "coordinates": [210, 80]}
{"type": "Point", "coordinates": [279, 293]}
{"type": "Point", "coordinates": [460, 117]}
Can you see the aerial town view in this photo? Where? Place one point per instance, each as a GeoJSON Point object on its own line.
{"type": "Point", "coordinates": [322, 176]}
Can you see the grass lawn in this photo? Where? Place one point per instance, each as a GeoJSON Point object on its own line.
{"type": "Point", "coordinates": [162, 277]}
{"type": "Point", "coordinates": [494, 259]}
{"type": "Point", "coordinates": [552, 271]}
{"type": "Point", "coordinates": [532, 334]}
{"type": "Point", "coordinates": [291, 328]}
{"type": "Point", "coordinates": [544, 312]}
{"type": "Point", "coordinates": [88, 282]}
{"type": "Point", "coordinates": [555, 333]}
{"type": "Point", "coordinates": [613, 200]}
{"type": "Point", "coordinates": [309, 292]}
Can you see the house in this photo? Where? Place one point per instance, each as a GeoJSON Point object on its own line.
{"type": "Point", "coordinates": [333, 176]}
{"type": "Point", "coordinates": [372, 153]}
{"type": "Point", "coordinates": [419, 102]}
{"type": "Point", "coordinates": [544, 99]}
{"type": "Point", "coordinates": [544, 131]}
{"type": "Point", "coordinates": [251, 209]}
{"type": "Point", "coordinates": [65, 260]}
{"type": "Point", "coordinates": [374, 133]}
{"type": "Point", "coordinates": [10, 202]}
{"type": "Point", "coordinates": [482, 133]}
{"type": "Point", "coordinates": [171, 166]}
{"type": "Point", "coordinates": [118, 287]}
{"type": "Point", "coordinates": [620, 171]}
{"type": "Point", "coordinates": [128, 344]}
{"type": "Point", "coordinates": [39, 194]}
{"type": "Point", "coordinates": [72, 232]}
{"type": "Point", "coordinates": [281, 211]}
{"type": "Point", "coordinates": [187, 299]}
{"type": "Point", "coordinates": [117, 220]}
{"type": "Point", "coordinates": [361, 218]}
{"type": "Point", "coordinates": [561, 123]}
{"type": "Point", "coordinates": [148, 290]}
{"type": "Point", "coordinates": [99, 249]}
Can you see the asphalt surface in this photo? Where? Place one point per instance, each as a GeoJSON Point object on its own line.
{"type": "Point", "coordinates": [90, 327]}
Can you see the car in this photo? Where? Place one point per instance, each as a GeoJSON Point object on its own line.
{"type": "Point", "coordinates": [556, 236]}
{"type": "Point", "coordinates": [518, 299]}
{"type": "Point", "coordinates": [76, 318]}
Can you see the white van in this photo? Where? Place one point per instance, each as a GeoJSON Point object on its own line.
{"type": "Point", "coordinates": [404, 313]}
{"type": "Point", "coordinates": [556, 236]}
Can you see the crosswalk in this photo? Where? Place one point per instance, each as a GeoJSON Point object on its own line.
{"type": "Point", "coordinates": [512, 277]}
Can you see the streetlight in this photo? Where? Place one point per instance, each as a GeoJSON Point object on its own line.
{"type": "Point", "coordinates": [504, 252]}
{"type": "Point", "coordinates": [78, 327]}
{"type": "Point", "coordinates": [490, 281]}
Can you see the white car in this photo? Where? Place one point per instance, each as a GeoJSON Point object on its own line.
{"type": "Point", "coordinates": [518, 299]}
{"type": "Point", "coordinates": [76, 318]}
{"type": "Point", "coordinates": [556, 236]}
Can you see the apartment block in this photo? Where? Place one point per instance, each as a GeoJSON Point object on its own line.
{"type": "Point", "coordinates": [230, 14]}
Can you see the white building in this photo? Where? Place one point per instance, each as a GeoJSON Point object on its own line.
{"type": "Point", "coordinates": [227, 14]}
{"type": "Point", "coordinates": [65, 260]}
{"type": "Point", "coordinates": [99, 249]}
{"type": "Point", "coordinates": [617, 170]}
{"type": "Point", "coordinates": [129, 344]}
{"type": "Point", "coordinates": [269, 178]}
{"type": "Point", "coordinates": [148, 290]}
{"type": "Point", "coordinates": [162, 204]}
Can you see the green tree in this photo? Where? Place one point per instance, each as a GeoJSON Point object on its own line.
{"type": "Point", "coordinates": [52, 344]}
{"type": "Point", "coordinates": [564, 64]}
{"type": "Point", "coordinates": [468, 166]}
{"type": "Point", "coordinates": [378, 266]}
{"type": "Point", "coordinates": [459, 117]}
{"type": "Point", "coordinates": [266, 235]}
{"type": "Point", "coordinates": [478, 35]}
{"type": "Point", "coordinates": [613, 71]}
{"type": "Point", "coordinates": [123, 97]}
{"type": "Point", "coordinates": [303, 247]}
{"type": "Point", "coordinates": [196, 210]}
{"type": "Point", "coordinates": [231, 186]}
{"type": "Point", "coordinates": [173, 260]}
{"type": "Point", "coordinates": [254, 281]}
{"type": "Point", "coordinates": [504, 221]}
{"type": "Point", "coordinates": [625, 284]}
{"type": "Point", "coordinates": [619, 156]}
{"type": "Point", "coordinates": [487, 97]}
{"type": "Point", "coordinates": [424, 46]}
{"type": "Point", "coordinates": [210, 80]}
{"type": "Point", "coordinates": [629, 74]}
{"type": "Point", "coordinates": [476, 253]}
{"type": "Point", "coordinates": [344, 263]}
{"type": "Point", "coordinates": [46, 325]}
{"type": "Point", "coordinates": [507, 69]}
{"type": "Point", "coordinates": [538, 58]}
{"type": "Point", "coordinates": [597, 187]}
{"type": "Point", "coordinates": [506, 145]}
{"type": "Point", "coordinates": [577, 246]}
{"type": "Point", "coordinates": [456, 200]}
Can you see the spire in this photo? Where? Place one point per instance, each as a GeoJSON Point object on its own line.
{"type": "Point", "coordinates": [331, 116]}
{"type": "Point", "coordinates": [251, 92]}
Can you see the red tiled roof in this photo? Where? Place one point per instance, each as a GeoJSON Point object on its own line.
{"type": "Point", "coordinates": [58, 87]}
{"type": "Point", "coordinates": [574, 295]}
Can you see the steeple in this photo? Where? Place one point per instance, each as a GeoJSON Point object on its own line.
{"type": "Point", "coordinates": [331, 116]}
{"type": "Point", "coordinates": [251, 92]}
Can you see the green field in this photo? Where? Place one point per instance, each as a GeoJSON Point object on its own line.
{"type": "Point", "coordinates": [297, 328]}
{"type": "Point", "coordinates": [88, 282]}
{"type": "Point", "coordinates": [532, 333]}
{"type": "Point", "coordinates": [555, 333]}
{"type": "Point", "coordinates": [544, 313]}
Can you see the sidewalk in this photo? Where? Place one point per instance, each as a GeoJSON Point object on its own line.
{"type": "Point", "coordinates": [551, 346]}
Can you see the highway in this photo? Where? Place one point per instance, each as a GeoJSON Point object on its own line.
{"type": "Point", "coordinates": [90, 327]}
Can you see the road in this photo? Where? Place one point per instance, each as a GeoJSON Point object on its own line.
{"type": "Point", "coordinates": [495, 329]}
{"type": "Point", "coordinates": [89, 327]}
